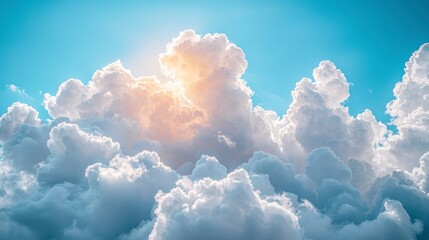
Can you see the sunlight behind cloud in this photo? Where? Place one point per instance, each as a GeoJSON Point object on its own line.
{"type": "Point", "coordinates": [192, 157]}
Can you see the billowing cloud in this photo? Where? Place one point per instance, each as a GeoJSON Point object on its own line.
{"type": "Point", "coordinates": [316, 118]}
{"type": "Point", "coordinates": [208, 167]}
{"type": "Point", "coordinates": [191, 157]}
{"type": "Point", "coordinates": [18, 115]}
{"type": "Point", "coordinates": [410, 112]}
{"type": "Point", "coordinates": [23, 137]}
{"type": "Point", "coordinates": [225, 209]}
{"type": "Point", "coordinates": [72, 151]}
{"type": "Point", "coordinates": [108, 102]}
{"type": "Point", "coordinates": [15, 185]}
{"type": "Point", "coordinates": [392, 223]}
{"type": "Point", "coordinates": [322, 163]}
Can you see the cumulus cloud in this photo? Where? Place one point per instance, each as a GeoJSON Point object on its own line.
{"type": "Point", "coordinates": [322, 163]}
{"type": "Point", "coordinates": [410, 112]}
{"type": "Point", "coordinates": [105, 102]}
{"type": "Point", "coordinates": [191, 157]}
{"type": "Point", "coordinates": [121, 194]}
{"type": "Point", "coordinates": [225, 209]}
{"type": "Point", "coordinates": [421, 173]}
{"type": "Point", "coordinates": [208, 167]}
{"type": "Point", "coordinates": [185, 115]}
{"type": "Point", "coordinates": [15, 185]}
{"type": "Point", "coordinates": [72, 151]}
{"type": "Point", "coordinates": [392, 223]}
{"type": "Point", "coordinates": [281, 175]}
{"type": "Point", "coordinates": [23, 137]}
{"type": "Point", "coordinates": [17, 116]}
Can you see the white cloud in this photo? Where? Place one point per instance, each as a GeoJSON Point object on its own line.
{"type": "Point", "coordinates": [209, 167]}
{"type": "Point", "coordinates": [17, 116]}
{"type": "Point", "coordinates": [410, 112]}
{"type": "Point", "coordinates": [15, 185]}
{"type": "Point", "coordinates": [107, 165]}
{"type": "Point", "coordinates": [316, 118]}
{"type": "Point", "coordinates": [422, 173]}
{"type": "Point", "coordinates": [15, 89]}
{"type": "Point", "coordinates": [72, 151]}
{"type": "Point", "coordinates": [225, 209]}
{"type": "Point", "coordinates": [392, 223]}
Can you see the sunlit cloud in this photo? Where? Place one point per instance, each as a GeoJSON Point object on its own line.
{"type": "Point", "coordinates": [192, 157]}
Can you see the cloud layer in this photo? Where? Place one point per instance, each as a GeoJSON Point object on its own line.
{"type": "Point", "coordinates": [191, 157]}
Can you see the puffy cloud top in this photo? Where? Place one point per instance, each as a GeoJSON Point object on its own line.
{"type": "Point", "coordinates": [16, 117]}
{"type": "Point", "coordinates": [410, 112]}
{"type": "Point", "coordinates": [332, 83]}
{"type": "Point", "coordinates": [225, 209]}
{"type": "Point", "coordinates": [413, 92]}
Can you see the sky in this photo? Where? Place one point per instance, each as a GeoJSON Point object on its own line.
{"type": "Point", "coordinates": [47, 42]}
{"type": "Point", "coordinates": [285, 120]}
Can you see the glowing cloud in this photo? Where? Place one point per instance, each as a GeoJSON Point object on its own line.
{"type": "Point", "coordinates": [128, 157]}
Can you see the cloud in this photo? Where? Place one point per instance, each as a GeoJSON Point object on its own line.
{"type": "Point", "coordinates": [161, 115]}
{"type": "Point", "coordinates": [322, 163]}
{"type": "Point", "coordinates": [122, 193]}
{"type": "Point", "coordinates": [410, 112]}
{"type": "Point", "coordinates": [191, 157]}
{"type": "Point", "coordinates": [281, 175]}
{"type": "Point", "coordinates": [363, 174]}
{"type": "Point", "coordinates": [392, 223]}
{"type": "Point", "coordinates": [208, 167]}
{"type": "Point", "coordinates": [225, 209]}
{"type": "Point", "coordinates": [185, 115]}
{"type": "Point", "coordinates": [15, 185]}
{"type": "Point", "coordinates": [72, 151]}
{"type": "Point", "coordinates": [316, 118]}
{"type": "Point", "coordinates": [15, 89]}
{"type": "Point", "coordinates": [398, 186]}
{"type": "Point", "coordinates": [23, 137]}
{"type": "Point", "coordinates": [225, 140]}
{"type": "Point", "coordinates": [421, 174]}
{"type": "Point", "coordinates": [17, 116]}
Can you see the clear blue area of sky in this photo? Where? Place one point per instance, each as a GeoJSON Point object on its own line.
{"type": "Point", "coordinates": [43, 43]}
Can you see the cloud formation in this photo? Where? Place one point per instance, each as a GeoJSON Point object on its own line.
{"type": "Point", "coordinates": [190, 157]}
{"type": "Point", "coordinates": [410, 112]}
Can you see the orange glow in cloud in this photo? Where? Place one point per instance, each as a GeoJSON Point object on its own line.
{"type": "Point", "coordinates": [167, 118]}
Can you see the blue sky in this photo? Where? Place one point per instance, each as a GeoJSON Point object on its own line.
{"type": "Point", "coordinates": [46, 42]}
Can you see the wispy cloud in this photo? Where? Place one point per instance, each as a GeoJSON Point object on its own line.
{"type": "Point", "coordinates": [15, 89]}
